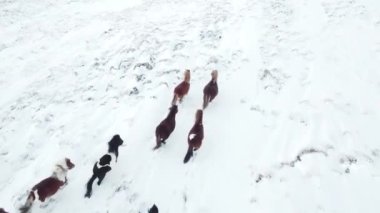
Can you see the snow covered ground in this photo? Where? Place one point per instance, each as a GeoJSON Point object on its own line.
{"type": "Point", "coordinates": [294, 129]}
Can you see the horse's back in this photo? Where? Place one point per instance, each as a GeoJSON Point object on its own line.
{"type": "Point", "coordinates": [211, 89]}
{"type": "Point", "coordinates": [47, 187]}
{"type": "Point", "coordinates": [166, 127]}
{"type": "Point", "coordinates": [182, 89]}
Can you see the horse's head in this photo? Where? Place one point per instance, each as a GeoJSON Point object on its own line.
{"type": "Point", "coordinates": [214, 75]}
{"type": "Point", "coordinates": [69, 164]}
{"type": "Point", "coordinates": [187, 76]}
{"type": "Point", "coordinates": [116, 139]}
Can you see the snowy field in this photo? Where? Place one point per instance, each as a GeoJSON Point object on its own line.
{"type": "Point", "coordinates": [295, 127]}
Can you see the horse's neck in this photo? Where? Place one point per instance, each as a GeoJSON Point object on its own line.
{"type": "Point", "coordinates": [197, 126]}
{"type": "Point", "coordinates": [60, 173]}
{"type": "Point", "coordinates": [101, 166]}
{"type": "Point", "coordinates": [171, 115]}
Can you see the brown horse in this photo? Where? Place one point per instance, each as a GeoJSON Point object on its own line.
{"type": "Point", "coordinates": [182, 89]}
{"type": "Point", "coordinates": [2, 210]}
{"type": "Point", "coordinates": [211, 89]}
{"type": "Point", "coordinates": [195, 136]}
{"type": "Point", "coordinates": [48, 186]}
{"type": "Point", "coordinates": [166, 127]}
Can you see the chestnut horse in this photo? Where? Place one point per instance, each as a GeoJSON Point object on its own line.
{"type": "Point", "coordinates": [99, 171]}
{"type": "Point", "coordinates": [211, 89]}
{"type": "Point", "coordinates": [195, 136]}
{"type": "Point", "coordinates": [182, 89]}
{"type": "Point", "coordinates": [48, 186]}
{"type": "Point", "coordinates": [166, 127]}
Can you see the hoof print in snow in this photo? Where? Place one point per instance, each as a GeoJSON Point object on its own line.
{"type": "Point", "coordinates": [348, 160]}
{"type": "Point", "coordinates": [253, 200]}
{"type": "Point", "coordinates": [347, 171]}
{"type": "Point", "coordinates": [121, 188]}
{"type": "Point", "coordinates": [273, 79]}
{"type": "Point", "coordinates": [140, 77]}
{"type": "Point", "coordinates": [133, 198]}
{"type": "Point", "coordinates": [256, 108]}
{"type": "Point", "coordinates": [301, 154]}
{"type": "Point", "coordinates": [178, 46]}
{"type": "Point", "coordinates": [376, 152]}
{"type": "Point", "coordinates": [147, 65]}
{"type": "Point", "coordinates": [134, 91]}
{"type": "Point", "coordinates": [261, 177]}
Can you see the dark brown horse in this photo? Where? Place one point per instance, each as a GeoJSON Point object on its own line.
{"type": "Point", "coordinates": [182, 89]}
{"type": "Point", "coordinates": [166, 127]}
{"type": "Point", "coordinates": [48, 186]}
{"type": "Point", "coordinates": [195, 136]}
{"type": "Point", "coordinates": [211, 89]}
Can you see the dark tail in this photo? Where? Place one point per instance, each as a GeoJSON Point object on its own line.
{"type": "Point", "coordinates": [175, 98]}
{"type": "Point", "coordinates": [205, 101]}
{"type": "Point", "coordinates": [89, 186]}
{"type": "Point", "coordinates": [158, 142]}
{"type": "Point", "coordinates": [189, 154]}
{"type": "Point", "coordinates": [28, 204]}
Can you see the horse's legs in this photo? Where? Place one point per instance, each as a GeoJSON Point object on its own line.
{"type": "Point", "coordinates": [101, 177]}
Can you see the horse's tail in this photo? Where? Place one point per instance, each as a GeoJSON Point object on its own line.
{"type": "Point", "coordinates": [189, 154]}
{"type": "Point", "coordinates": [28, 204]}
{"type": "Point", "coordinates": [175, 98]}
{"type": "Point", "coordinates": [89, 186]}
{"type": "Point", "coordinates": [205, 101]}
{"type": "Point", "coordinates": [158, 140]}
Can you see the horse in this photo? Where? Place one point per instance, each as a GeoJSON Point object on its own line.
{"type": "Point", "coordinates": [49, 186]}
{"type": "Point", "coordinates": [166, 127]}
{"type": "Point", "coordinates": [182, 89]}
{"type": "Point", "coordinates": [154, 209]}
{"type": "Point", "coordinates": [195, 136]}
{"type": "Point", "coordinates": [99, 170]}
{"type": "Point", "coordinates": [103, 166]}
{"type": "Point", "coordinates": [2, 210]}
{"type": "Point", "coordinates": [113, 145]}
{"type": "Point", "coordinates": [211, 89]}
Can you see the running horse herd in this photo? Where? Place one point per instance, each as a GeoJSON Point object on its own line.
{"type": "Point", "coordinates": [49, 186]}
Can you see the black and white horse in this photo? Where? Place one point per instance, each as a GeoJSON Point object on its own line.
{"type": "Point", "coordinates": [103, 166]}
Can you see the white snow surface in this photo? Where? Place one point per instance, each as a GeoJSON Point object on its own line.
{"type": "Point", "coordinates": [296, 78]}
